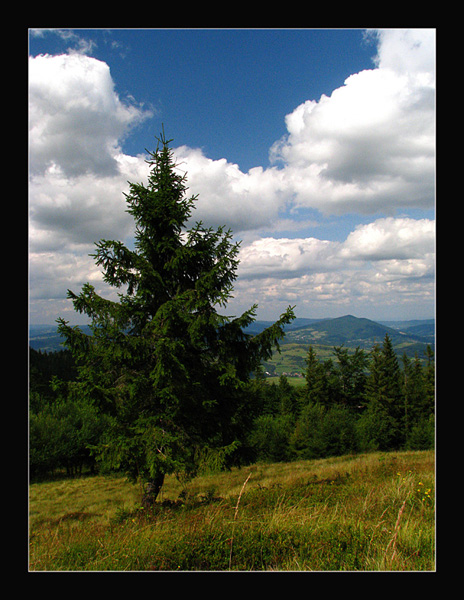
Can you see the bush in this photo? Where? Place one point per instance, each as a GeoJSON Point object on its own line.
{"type": "Point", "coordinates": [376, 429]}
{"type": "Point", "coordinates": [60, 436]}
{"type": "Point", "coordinates": [270, 437]}
{"type": "Point", "coordinates": [422, 435]}
{"type": "Point", "coordinates": [321, 432]}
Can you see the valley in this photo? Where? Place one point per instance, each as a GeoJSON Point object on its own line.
{"type": "Point", "coordinates": [409, 337]}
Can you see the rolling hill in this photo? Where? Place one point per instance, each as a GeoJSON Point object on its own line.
{"type": "Point", "coordinates": [348, 331]}
{"type": "Point", "coordinates": [47, 339]}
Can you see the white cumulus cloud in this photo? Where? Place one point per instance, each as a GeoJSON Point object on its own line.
{"type": "Point", "coordinates": [367, 148]}
{"type": "Point", "coordinates": [227, 196]}
{"type": "Point", "coordinates": [387, 262]}
{"type": "Point", "coordinates": [76, 119]}
{"type": "Point", "coordinates": [391, 239]}
{"type": "Point", "coordinates": [370, 145]}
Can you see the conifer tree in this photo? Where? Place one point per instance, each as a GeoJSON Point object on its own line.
{"type": "Point", "coordinates": [316, 379]}
{"type": "Point", "coordinates": [385, 409]}
{"type": "Point", "coordinates": [351, 376]}
{"type": "Point", "coordinates": [390, 380]}
{"type": "Point", "coordinates": [172, 372]}
{"type": "Point", "coordinates": [429, 376]}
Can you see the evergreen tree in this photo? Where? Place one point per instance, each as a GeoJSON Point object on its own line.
{"type": "Point", "coordinates": [288, 397]}
{"type": "Point", "coordinates": [390, 385]}
{"type": "Point", "coordinates": [318, 379]}
{"type": "Point", "coordinates": [380, 425]}
{"type": "Point", "coordinates": [419, 390]}
{"type": "Point", "coordinates": [351, 376]}
{"type": "Point", "coordinates": [172, 372]}
{"type": "Point", "coordinates": [430, 380]}
{"type": "Point", "coordinates": [414, 392]}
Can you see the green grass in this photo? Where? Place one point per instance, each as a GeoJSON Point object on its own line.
{"type": "Point", "coordinates": [366, 512]}
{"type": "Point", "coordinates": [298, 382]}
{"type": "Point", "coordinates": [292, 357]}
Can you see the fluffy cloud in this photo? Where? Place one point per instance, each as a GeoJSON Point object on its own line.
{"type": "Point", "coordinates": [368, 147]}
{"type": "Point", "coordinates": [73, 212]}
{"type": "Point", "coordinates": [287, 258]}
{"type": "Point", "coordinates": [391, 239]}
{"type": "Point", "coordinates": [76, 120]}
{"type": "Point", "coordinates": [371, 144]}
{"type": "Point", "coordinates": [227, 196]}
{"type": "Point", "coordinates": [77, 171]}
{"type": "Point", "coordinates": [387, 262]}
{"type": "Point", "coordinates": [406, 50]}
{"type": "Point", "coordinates": [388, 240]}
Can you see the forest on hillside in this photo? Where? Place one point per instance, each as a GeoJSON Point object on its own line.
{"type": "Point", "coordinates": [351, 402]}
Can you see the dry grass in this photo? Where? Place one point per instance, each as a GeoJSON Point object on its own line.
{"type": "Point", "coordinates": [367, 512]}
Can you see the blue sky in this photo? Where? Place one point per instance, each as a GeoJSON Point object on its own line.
{"type": "Point", "coordinates": [315, 146]}
{"type": "Point", "coordinates": [226, 91]}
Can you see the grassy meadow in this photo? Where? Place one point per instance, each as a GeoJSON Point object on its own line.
{"type": "Point", "coordinates": [369, 512]}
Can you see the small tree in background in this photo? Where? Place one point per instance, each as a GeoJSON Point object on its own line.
{"type": "Point", "coordinates": [171, 372]}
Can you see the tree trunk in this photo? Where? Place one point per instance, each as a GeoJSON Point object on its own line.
{"type": "Point", "coordinates": [153, 488]}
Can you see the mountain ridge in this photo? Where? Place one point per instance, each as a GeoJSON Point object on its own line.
{"type": "Point", "coordinates": [347, 330]}
{"type": "Point", "coordinates": [354, 332]}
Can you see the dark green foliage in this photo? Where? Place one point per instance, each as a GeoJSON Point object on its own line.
{"type": "Point", "coordinates": [271, 436]}
{"type": "Point", "coordinates": [289, 423]}
{"type": "Point", "coordinates": [340, 382]}
{"type": "Point", "coordinates": [357, 402]}
{"type": "Point", "coordinates": [44, 369]}
{"type": "Point", "coordinates": [322, 431]}
{"type": "Point", "coordinates": [385, 398]}
{"type": "Point", "coordinates": [62, 425]}
{"type": "Point", "coordinates": [351, 375]}
{"type": "Point", "coordinates": [61, 435]}
{"type": "Point", "coordinates": [170, 371]}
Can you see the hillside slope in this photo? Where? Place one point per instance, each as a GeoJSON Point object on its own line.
{"type": "Point", "coordinates": [350, 331]}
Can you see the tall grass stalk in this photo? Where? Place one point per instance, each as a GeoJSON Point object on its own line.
{"type": "Point", "coordinates": [235, 518]}
{"type": "Point", "coordinates": [395, 534]}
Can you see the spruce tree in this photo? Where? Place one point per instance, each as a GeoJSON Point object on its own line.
{"type": "Point", "coordinates": [430, 380]}
{"type": "Point", "coordinates": [390, 380]}
{"type": "Point", "coordinates": [385, 409]}
{"type": "Point", "coordinates": [377, 428]}
{"type": "Point", "coordinates": [171, 372]}
{"type": "Point", "coordinates": [351, 376]}
{"type": "Point", "coordinates": [316, 379]}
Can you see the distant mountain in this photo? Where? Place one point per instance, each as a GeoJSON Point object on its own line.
{"type": "Point", "coordinates": [259, 326]}
{"type": "Point", "coordinates": [47, 339]}
{"type": "Point", "coordinates": [427, 330]}
{"type": "Point", "coordinates": [352, 332]}
{"type": "Point", "coordinates": [408, 324]}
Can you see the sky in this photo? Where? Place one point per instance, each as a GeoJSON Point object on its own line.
{"type": "Point", "coordinates": [315, 146]}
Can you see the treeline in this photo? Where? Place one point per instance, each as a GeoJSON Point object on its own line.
{"type": "Point", "coordinates": [63, 426]}
{"type": "Point", "coordinates": [353, 402]}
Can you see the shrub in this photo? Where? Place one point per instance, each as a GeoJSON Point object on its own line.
{"type": "Point", "coordinates": [270, 437]}
{"type": "Point", "coordinates": [60, 437]}
{"type": "Point", "coordinates": [422, 435]}
{"type": "Point", "coordinates": [324, 432]}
